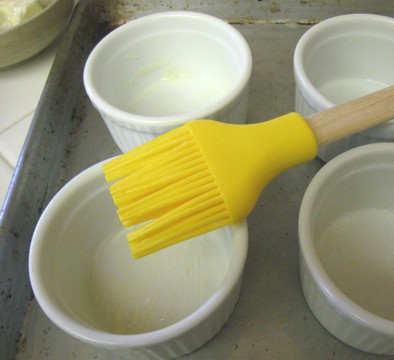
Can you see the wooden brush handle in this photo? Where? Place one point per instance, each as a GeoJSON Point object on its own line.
{"type": "Point", "coordinates": [354, 116]}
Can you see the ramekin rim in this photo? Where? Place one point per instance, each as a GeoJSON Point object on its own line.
{"type": "Point", "coordinates": [344, 305]}
{"type": "Point", "coordinates": [126, 118]}
{"type": "Point", "coordinates": [305, 86]}
{"type": "Point", "coordinates": [101, 338]}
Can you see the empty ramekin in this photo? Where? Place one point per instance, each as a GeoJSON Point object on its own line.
{"type": "Point", "coordinates": [158, 307]}
{"type": "Point", "coordinates": [340, 59]}
{"type": "Point", "coordinates": [159, 71]}
{"type": "Point", "coordinates": [346, 232]}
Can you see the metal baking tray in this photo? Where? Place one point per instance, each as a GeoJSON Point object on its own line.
{"type": "Point", "coordinates": [272, 319]}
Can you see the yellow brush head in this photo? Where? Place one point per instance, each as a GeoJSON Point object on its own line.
{"type": "Point", "coordinates": [202, 176]}
{"type": "Point", "coordinates": [167, 181]}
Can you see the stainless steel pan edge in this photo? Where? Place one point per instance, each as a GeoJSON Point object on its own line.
{"type": "Point", "coordinates": [38, 174]}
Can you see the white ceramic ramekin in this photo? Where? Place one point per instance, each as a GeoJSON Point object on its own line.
{"type": "Point", "coordinates": [346, 232]}
{"type": "Point", "coordinates": [159, 71]}
{"type": "Point", "coordinates": [161, 306]}
{"type": "Point", "coordinates": [340, 59]}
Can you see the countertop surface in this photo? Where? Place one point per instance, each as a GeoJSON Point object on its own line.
{"type": "Point", "coordinates": [20, 90]}
{"type": "Point", "coordinates": [21, 87]}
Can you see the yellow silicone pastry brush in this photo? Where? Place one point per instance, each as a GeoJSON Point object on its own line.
{"type": "Point", "coordinates": [207, 174]}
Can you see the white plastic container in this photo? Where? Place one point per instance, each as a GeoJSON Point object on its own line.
{"type": "Point", "coordinates": [161, 306]}
{"type": "Point", "coordinates": [346, 232]}
{"type": "Point", "coordinates": [159, 71]}
{"type": "Point", "coordinates": [340, 59]}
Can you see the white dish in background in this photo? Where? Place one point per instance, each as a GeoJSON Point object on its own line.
{"type": "Point", "coordinates": [346, 231]}
{"type": "Point", "coordinates": [340, 59]}
{"type": "Point", "coordinates": [157, 72]}
{"type": "Point", "coordinates": [159, 307]}
{"type": "Point", "coordinates": [23, 41]}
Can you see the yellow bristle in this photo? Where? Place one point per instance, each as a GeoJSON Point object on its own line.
{"type": "Point", "coordinates": [131, 161]}
{"type": "Point", "coordinates": [137, 184]}
{"type": "Point", "coordinates": [156, 187]}
{"type": "Point", "coordinates": [201, 208]}
{"type": "Point", "coordinates": [193, 218]}
{"type": "Point", "coordinates": [165, 162]}
{"type": "Point", "coordinates": [159, 203]}
{"type": "Point", "coordinates": [169, 238]}
{"type": "Point", "coordinates": [167, 185]}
